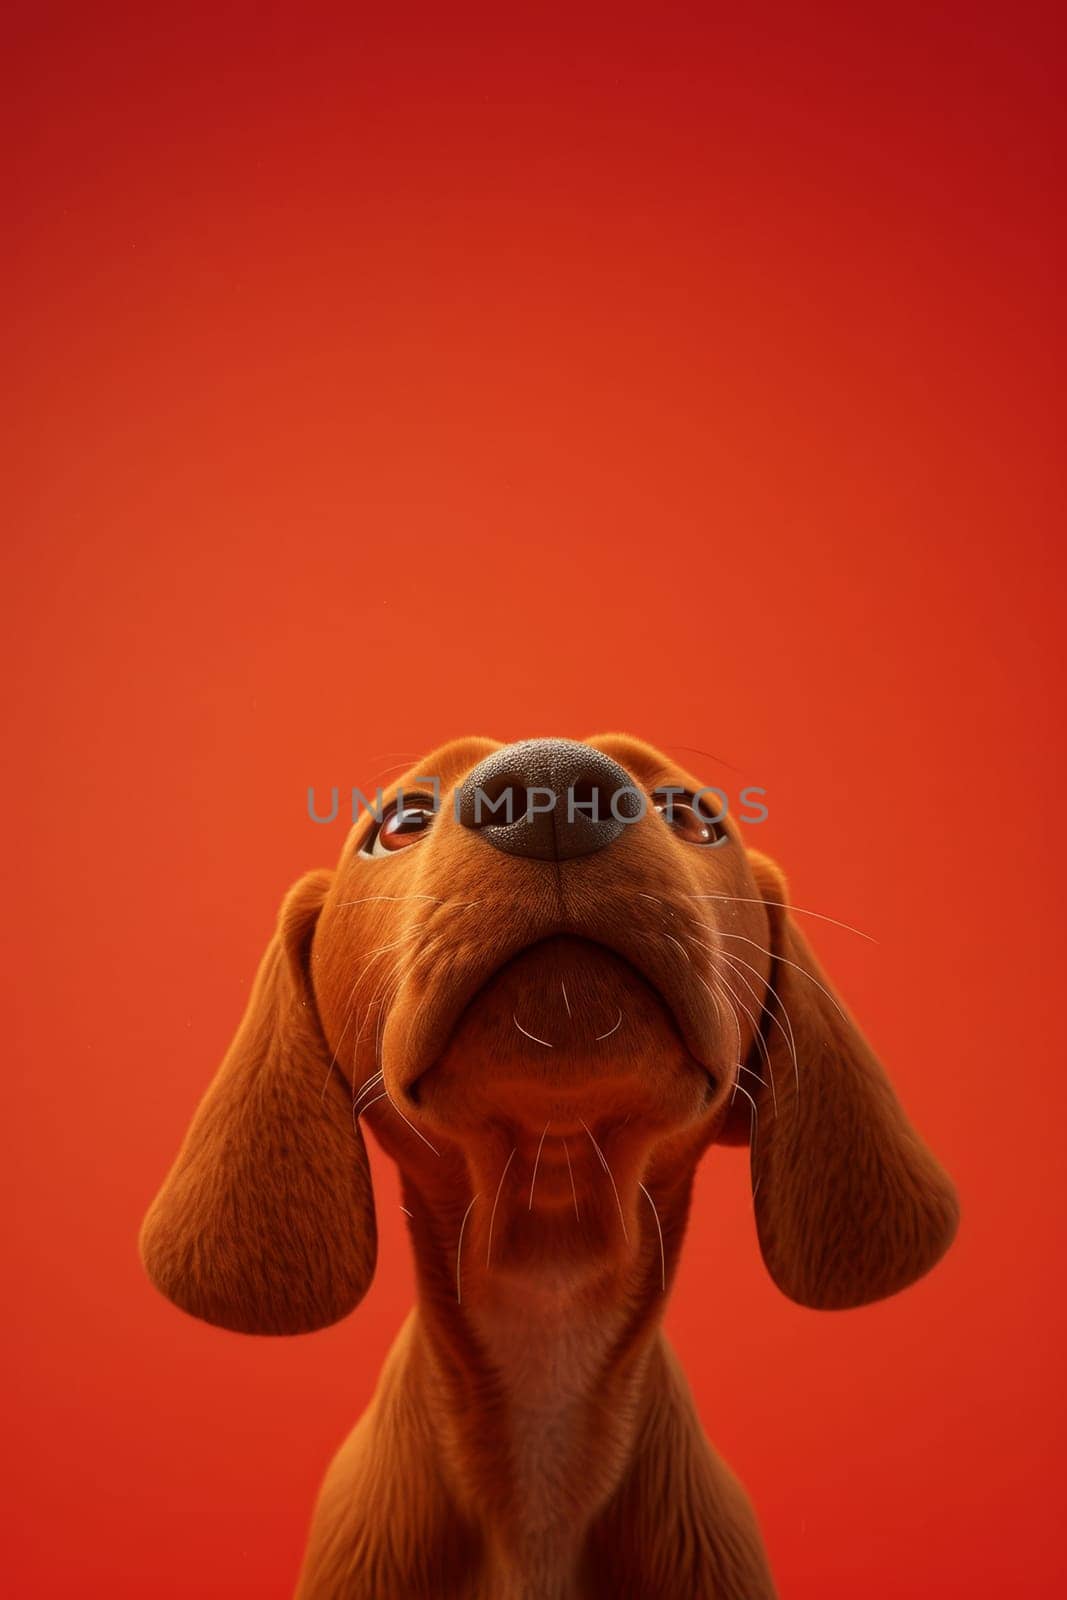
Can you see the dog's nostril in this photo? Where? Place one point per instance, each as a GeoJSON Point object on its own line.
{"type": "Point", "coordinates": [499, 800]}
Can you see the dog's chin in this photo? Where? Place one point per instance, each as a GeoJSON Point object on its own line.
{"type": "Point", "coordinates": [566, 1035]}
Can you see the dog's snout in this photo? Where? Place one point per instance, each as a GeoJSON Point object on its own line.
{"type": "Point", "coordinates": [549, 799]}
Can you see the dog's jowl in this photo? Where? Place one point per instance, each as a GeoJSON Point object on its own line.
{"type": "Point", "coordinates": [548, 987]}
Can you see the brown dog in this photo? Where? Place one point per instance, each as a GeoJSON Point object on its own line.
{"type": "Point", "coordinates": [546, 1022]}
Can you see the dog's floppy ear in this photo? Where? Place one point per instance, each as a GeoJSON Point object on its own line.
{"type": "Point", "coordinates": [265, 1223]}
{"type": "Point", "coordinates": [850, 1205]}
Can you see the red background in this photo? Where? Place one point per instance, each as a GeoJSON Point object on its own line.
{"type": "Point", "coordinates": [384, 379]}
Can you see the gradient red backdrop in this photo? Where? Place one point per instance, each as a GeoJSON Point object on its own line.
{"type": "Point", "coordinates": [380, 377]}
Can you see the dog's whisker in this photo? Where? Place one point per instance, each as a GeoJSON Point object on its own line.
{"type": "Point", "coordinates": [406, 1212]}
{"type": "Point", "coordinates": [382, 994]}
{"type": "Point", "coordinates": [367, 1087]}
{"type": "Point", "coordinates": [459, 1250]}
{"type": "Point", "coordinates": [383, 985]}
{"type": "Point", "coordinates": [405, 969]}
{"type": "Point", "coordinates": [761, 1007]}
{"type": "Point", "coordinates": [389, 986]}
{"type": "Point", "coordinates": [789, 1037]}
{"type": "Point", "coordinates": [357, 1112]}
{"type": "Point", "coordinates": [397, 766]}
{"type": "Point", "coordinates": [739, 1088]}
{"type": "Point", "coordinates": [757, 1034]}
{"type": "Point", "coordinates": [786, 962]}
{"type": "Point", "coordinates": [349, 1010]}
{"type": "Point", "coordinates": [720, 979]}
{"type": "Point", "coordinates": [496, 1202]}
{"type": "Point", "coordinates": [659, 1230]}
{"type": "Point", "coordinates": [611, 1177]}
{"type": "Point", "coordinates": [529, 1035]}
{"type": "Point", "coordinates": [388, 990]}
{"type": "Point", "coordinates": [537, 1163]}
{"type": "Point", "coordinates": [375, 999]}
{"type": "Point", "coordinates": [326, 1080]}
{"type": "Point", "coordinates": [366, 1083]}
{"type": "Point", "coordinates": [418, 1134]}
{"type": "Point", "coordinates": [732, 1009]}
{"type": "Point", "coordinates": [613, 1029]}
{"type": "Point", "coordinates": [382, 998]}
{"type": "Point", "coordinates": [570, 1174]}
{"type": "Point", "coordinates": [659, 902]}
{"type": "Point", "coordinates": [719, 1001]}
{"type": "Point", "coordinates": [722, 1004]}
{"type": "Point", "coordinates": [678, 945]}
{"type": "Point", "coordinates": [365, 899]}
{"type": "Point", "coordinates": [392, 944]}
{"type": "Point", "coordinates": [691, 749]}
{"type": "Point", "coordinates": [356, 1107]}
{"type": "Point", "coordinates": [566, 1002]}
{"type": "Point", "coordinates": [756, 900]}
{"type": "Point", "coordinates": [385, 999]}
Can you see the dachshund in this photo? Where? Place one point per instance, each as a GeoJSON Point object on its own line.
{"type": "Point", "coordinates": [547, 999]}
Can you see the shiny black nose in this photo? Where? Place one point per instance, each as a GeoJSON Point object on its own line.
{"type": "Point", "coordinates": [551, 799]}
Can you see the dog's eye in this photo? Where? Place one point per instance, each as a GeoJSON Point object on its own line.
{"type": "Point", "coordinates": [690, 818]}
{"type": "Point", "coordinates": [400, 826]}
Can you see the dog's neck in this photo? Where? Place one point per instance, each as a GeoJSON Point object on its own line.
{"type": "Point", "coordinates": [538, 1425]}
{"type": "Point", "coordinates": [535, 1384]}
{"type": "Point", "coordinates": [552, 1348]}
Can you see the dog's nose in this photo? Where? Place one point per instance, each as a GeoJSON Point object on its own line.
{"type": "Point", "coordinates": [550, 799]}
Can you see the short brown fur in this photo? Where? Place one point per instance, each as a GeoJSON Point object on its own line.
{"type": "Point", "coordinates": [531, 1436]}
